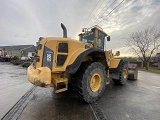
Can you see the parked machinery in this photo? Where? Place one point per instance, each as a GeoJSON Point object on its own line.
{"type": "Point", "coordinates": [85, 64]}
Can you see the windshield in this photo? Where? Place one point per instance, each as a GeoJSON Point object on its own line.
{"type": "Point", "coordinates": [88, 38]}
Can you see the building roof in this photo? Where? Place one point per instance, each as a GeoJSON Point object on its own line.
{"type": "Point", "coordinates": [28, 48]}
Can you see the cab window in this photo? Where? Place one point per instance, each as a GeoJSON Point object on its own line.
{"type": "Point", "coordinates": [88, 38]}
{"type": "Point", "coordinates": [101, 38]}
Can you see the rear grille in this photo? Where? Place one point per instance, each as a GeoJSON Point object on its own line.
{"type": "Point", "coordinates": [61, 59]}
{"type": "Point", "coordinates": [47, 58]}
{"type": "Point", "coordinates": [63, 47]}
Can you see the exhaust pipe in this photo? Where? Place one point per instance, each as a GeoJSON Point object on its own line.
{"type": "Point", "coordinates": [64, 30]}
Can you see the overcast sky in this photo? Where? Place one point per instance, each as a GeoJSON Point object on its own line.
{"type": "Point", "coordinates": [24, 21]}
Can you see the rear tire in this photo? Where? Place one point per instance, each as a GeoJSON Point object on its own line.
{"type": "Point", "coordinates": [90, 81]}
{"type": "Point", "coordinates": [123, 74]}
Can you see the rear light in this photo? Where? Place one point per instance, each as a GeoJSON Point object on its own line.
{"type": "Point", "coordinates": [37, 58]}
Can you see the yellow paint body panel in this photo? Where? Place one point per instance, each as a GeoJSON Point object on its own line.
{"type": "Point", "coordinates": [40, 76]}
{"type": "Point", "coordinates": [111, 61]}
{"type": "Point", "coordinates": [75, 48]}
{"type": "Point", "coordinates": [114, 63]}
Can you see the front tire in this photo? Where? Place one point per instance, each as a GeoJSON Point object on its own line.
{"type": "Point", "coordinates": [123, 74]}
{"type": "Point", "coordinates": [90, 81]}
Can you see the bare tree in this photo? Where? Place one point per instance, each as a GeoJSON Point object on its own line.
{"type": "Point", "coordinates": [144, 43]}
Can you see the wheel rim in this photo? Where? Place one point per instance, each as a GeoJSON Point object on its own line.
{"type": "Point", "coordinates": [95, 82]}
{"type": "Point", "coordinates": [125, 73]}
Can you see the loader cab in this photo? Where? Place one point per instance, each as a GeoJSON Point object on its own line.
{"type": "Point", "coordinates": [95, 36]}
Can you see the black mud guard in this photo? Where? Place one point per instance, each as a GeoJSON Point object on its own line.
{"type": "Point", "coordinates": [71, 69]}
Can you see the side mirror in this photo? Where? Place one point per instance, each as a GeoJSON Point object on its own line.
{"type": "Point", "coordinates": [108, 38]}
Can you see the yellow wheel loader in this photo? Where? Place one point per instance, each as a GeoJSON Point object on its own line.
{"type": "Point", "coordinates": [85, 64]}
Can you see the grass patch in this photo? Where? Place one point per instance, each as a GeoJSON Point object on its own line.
{"type": "Point", "coordinates": [151, 70]}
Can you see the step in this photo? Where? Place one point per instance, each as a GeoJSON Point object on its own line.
{"type": "Point", "coordinates": [61, 80]}
{"type": "Point", "coordinates": [60, 90]}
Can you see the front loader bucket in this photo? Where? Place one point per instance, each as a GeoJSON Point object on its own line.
{"type": "Point", "coordinates": [132, 71]}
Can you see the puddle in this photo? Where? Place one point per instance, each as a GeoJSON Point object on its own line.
{"type": "Point", "coordinates": [23, 74]}
{"type": "Point", "coordinates": [13, 76]}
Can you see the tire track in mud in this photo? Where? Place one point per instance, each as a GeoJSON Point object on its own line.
{"type": "Point", "coordinates": [18, 108]}
{"type": "Point", "coordinates": [98, 114]}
